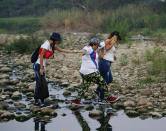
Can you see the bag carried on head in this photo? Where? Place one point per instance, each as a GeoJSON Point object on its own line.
{"type": "Point", "coordinates": [35, 55]}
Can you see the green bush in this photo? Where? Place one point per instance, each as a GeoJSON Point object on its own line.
{"type": "Point", "coordinates": [23, 45]}
{"type": "Point", "coordinates": [123, 59]}
{"type": "Point", "coordinates": [158, 58]}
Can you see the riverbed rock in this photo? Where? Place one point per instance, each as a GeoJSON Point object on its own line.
{"type": "Point", "coordinates": [132, 113]}
{"type": "Point", "coordinates": [48, 111]}
{"type": "Point", "coordinates": [19, 105]}
{"type": "Point", "coordinates": [90, 107]}
{"type": "Point", "coordinates": [155, 114]}
{"type": "Point", "coordinates": [5, 69]}
{"type": "Point", "coordinates": [7, 115]}
{"type": "Point", "coordinates": [3, 106]}
{"type": "Point", "coordinates": [4, 76]}
{"type": "Point", "coordinates": [142, 101]}
{"type": "Point", "coordinates": [34, 109]}
{"type": "Point", "coordinates": [16, 95]}
{"type": "Point", "coordinates": [95, 113]}
{"type": "Point", "coordinates": [146, 92]}
{"type": "Point", "coordinates": [14, 81]}
{"type": "Point", "coordinates": [75, 107]}
{"type": "Point", "coordinates": [22, 118]}
{"type": "Point", "coordinates": [129, 103]}
{"type": "Point", "coordinates": [163, 91]}
{"type": "Point", "coordinates": [4, 81]}
{"type": "Point", "coordinates": [66, 93]}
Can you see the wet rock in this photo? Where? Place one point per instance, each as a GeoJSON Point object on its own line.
{"type": "Point", "coordinates": [4, 81]}
{"type": "Point", "coordinates": [4, 97]}
{"type": "Point", "coordinates": [132, 113]}
{"type": "Point", "coordinates": [48, 111]}
{"type": "Point", "coordinates": [129, 103]}
{"type": "Point", "coordinates": [4, 76]}
{"type": "Point", "coordinates": [21, 63]}
{"type": "Point", "coordinates": [3, 106]}
{"type": "Point", "coordinates": [90, 107]}
{"type": "Point", "coordinates": [19, 105]}
{"type": "Point", "coordinates": [118, 105]}
{"type": "Point", "coordinates": [142, 109]}
{"type": "Point", "coordinates": [95, 113]}
{"type": "Point", "coordinates": [5, 69]}
{"type": "Point", "coordinates": [31, 87]}
{"type": "Point", "coordinates": [7, 89]}
{"type": "Point", "coordinates": [155, 114]}
{"type": "Point", "coordinates": [14, 81]}
{"type": "Point", "coordinates": [75, 107]}
{"type": "Point", "coordinates": [16, 95]}
{"type": "Point", "coordinates": [34, 109]}
{"type": "Point", "coordinates": [66, 93]}
{"type": "Point", "coordinates": [22, 118]}
{"type": "Point", "coordinates": [6, 115]}
{"type": "Point", "coordinates": [29, 94]}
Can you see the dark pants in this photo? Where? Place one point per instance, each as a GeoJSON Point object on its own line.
{"type": "Point", "coordinates": [36, 68]}
{"type": "Point", "coordinates": [105, 70]}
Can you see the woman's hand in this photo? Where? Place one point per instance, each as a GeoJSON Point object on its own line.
{"type": "Point", "coordinates": [41, 71]}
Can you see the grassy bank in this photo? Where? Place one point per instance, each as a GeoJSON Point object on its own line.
{"type": "Point", "coordinates": [127, 20]}
{"type": "Point", "coordinates": [23, 25]}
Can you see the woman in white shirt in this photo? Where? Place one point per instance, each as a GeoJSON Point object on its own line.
{"type": "Point", "coordinates": [45, 52]}
{"type": "Point", "coordinates": [89, 71]}
{"type": "Point", "coordinates": [108, 58]}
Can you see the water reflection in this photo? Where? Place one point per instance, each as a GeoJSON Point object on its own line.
{"type": "Point", "coordinates": [103, 120]}
{"type": "Point", "coordinates": [82, 122]}
{"type": "Point", "coordinates": [39, 124]}
{"type": "Point", "coordinates": [104, 123]}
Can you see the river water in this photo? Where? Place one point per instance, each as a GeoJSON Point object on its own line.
{"type": "Point", "coordinates": [71, 122]}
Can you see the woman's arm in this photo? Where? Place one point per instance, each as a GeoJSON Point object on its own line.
{"type": "Point", "coordinates": [41, 61]}
{"type": "Point", "coordinates": [63, 50]}
{"type": "Point", "coordinates": [109, 44]}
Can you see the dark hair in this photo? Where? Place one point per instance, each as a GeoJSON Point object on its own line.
{"type": "Point", "coordinates": [114, 33]}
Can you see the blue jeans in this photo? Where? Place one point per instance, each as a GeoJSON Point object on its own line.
{"type": "Point", "coordinates": [36, 68]}
{"type": "Point", "coordinates": [105, 70]}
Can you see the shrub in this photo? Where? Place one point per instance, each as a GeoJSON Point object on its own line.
{"type": "Point", "coordinates": [123, 59]}
{"type": "Point", "coordinates": [158, 58]}
{"type": "Point", "coordinates": [23, 45]}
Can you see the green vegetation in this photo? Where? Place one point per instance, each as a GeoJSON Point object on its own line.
{"type": "Point", "coordinates": [123, 59]}
{"type": "Point", "coordinates": [146, 17]}
{"type": "Point", "coordinates": [157, 57]}
{"type": "Point", "coordinates": [23, 45]}
{"type": "Point", "coordinates": [26, 25]}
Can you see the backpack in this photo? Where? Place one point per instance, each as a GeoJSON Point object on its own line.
{"type": "Point", "coordinates": [35, 55]}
